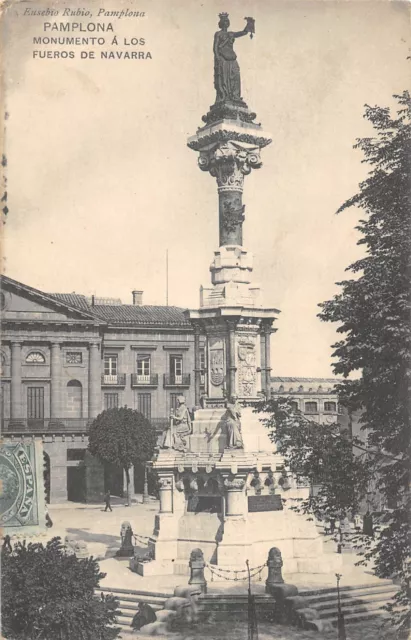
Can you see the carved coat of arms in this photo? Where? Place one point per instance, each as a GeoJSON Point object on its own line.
{"type": "Point", "coordinates": [216, 366]}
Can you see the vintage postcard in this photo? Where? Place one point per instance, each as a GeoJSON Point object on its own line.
{"type": "Point", "coordinates": [205, 319]}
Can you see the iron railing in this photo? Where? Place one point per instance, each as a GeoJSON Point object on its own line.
{"type": "Point", "coordinates": [172, 380]}
{"type": "Point", "coordinates": [138, 380]}
{"type": "Point", "coordinates": [117, 380]}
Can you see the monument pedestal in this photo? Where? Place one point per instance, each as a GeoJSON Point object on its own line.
{"type": "Point", "coordinates": [217, 505]}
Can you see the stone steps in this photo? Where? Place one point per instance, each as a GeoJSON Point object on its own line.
{"type": "Point", "coordinates": [221, 606]}
{"type": "Point", "coordinates": [361, 602]}
{"type": "Point", "coordinates": [128, 602]}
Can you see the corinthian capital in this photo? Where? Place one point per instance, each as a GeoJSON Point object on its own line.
{"type": "Point", "coordinates": [229, 162]}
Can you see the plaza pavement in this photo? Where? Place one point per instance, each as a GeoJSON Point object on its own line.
{"type": "Point", "coordinates": [101, 532]}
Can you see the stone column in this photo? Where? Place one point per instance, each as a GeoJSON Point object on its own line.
{"type": "Point", "coordinates": [231, 359]}
{"type": "Point", "coordinates": [55, 375]}
{"type": "Point", "coordinates": [234, 547]}
{"type": "Point", "coordinates": [234, 497]}
{"type": "Point", "coordinates": [16, 405]}
{"type": "Point", "coordinates": [229, 162]}
{"type": "Point", "coordinates": [94, 388]}
{"type": "Point", "coordinates": [263, 366]}
{"type": "Point", "coordinates": [166, 495]}
{"type": "Point", "coordinates": [267, 331]}
{"type": "Point", "coordinates": [197, 369]}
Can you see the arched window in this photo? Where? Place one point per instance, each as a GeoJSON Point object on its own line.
{"type": "Point", "coordinates": [330, 406]}
{"type": "Point", "coordinates": [74, 408]}
{"type": "Point", "coordinates": [300, 388]}
{"type": "Point", "coordinates": [311, 407]}
{"type": "Point", "coordinates": [281, 389]}
{"type": "Point", "coordinates": [35, 357]}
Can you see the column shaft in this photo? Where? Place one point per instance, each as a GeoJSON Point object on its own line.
{"type": "Point", "coordinates": [94, 389]}
{"type": "Point", "coordinates": [263, 365]}
{"type": "Point", "coordinates": [231, 359]}
{"type": "Point", "coordinates": [197, 370]}
{"type": "Point", "coordinates": [268, 360]}
{"type": "Point", "coordinates": [231, 217]}
{"type": "Point", "coordinates": [16, 408]}
{"type": "Point", "coordinates": [55, 375]}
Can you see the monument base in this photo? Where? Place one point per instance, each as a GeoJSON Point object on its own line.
{"type": "Point", "coordinates": [230, 504]}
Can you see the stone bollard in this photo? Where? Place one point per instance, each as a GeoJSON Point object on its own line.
{"type": "Point", "coordinates": [126, 533]}
{"type": "Point", "coordinates": [274, 563]}
{"type": "Point", "coordinates": [275, 585]}
{"type": "Point", "coordinates": [197, 565]}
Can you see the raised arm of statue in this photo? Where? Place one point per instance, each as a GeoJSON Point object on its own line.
{"type": "Point", "coordinates": [238, 34]}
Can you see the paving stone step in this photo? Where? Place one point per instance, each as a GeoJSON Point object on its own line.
{"type": "Point", "coordinates": [357, 617]}
{"type": "Point", "coordinates": [127, 607]}
{"type": "Point", "coordinates": [386, 592]}
{"type": "Point", "coordinates": [234, 596]}
{"type": "Point", "coordinates": [370, 585]}
{"type": "Point", "coordinates": [348, 602]}
{"type": "Point", "coordinates": [326, 613]}
{"type": "Point", "coordinates": [136, 592]}
{"type": "Point", "coordinates": [136, 599]}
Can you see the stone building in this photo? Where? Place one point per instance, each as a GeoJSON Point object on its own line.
{"type": "Point", "coordinates": [64, 358]}
{"type": "Point", "coordinates": [314, 397]}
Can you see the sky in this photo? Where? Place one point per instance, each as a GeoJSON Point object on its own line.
{"type": "Point", "coordinates": [101, 183]}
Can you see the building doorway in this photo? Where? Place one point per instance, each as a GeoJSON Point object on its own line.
{"type": "Point", "coordinates": [113, 480]}
{"type": "Point", "coordinates": [76, 483]}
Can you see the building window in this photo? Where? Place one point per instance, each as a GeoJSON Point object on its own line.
{"type": "Point", "coordinates": [74, 402]}
{"type": "Point", "coordinates": [176, 369]}
{"type": "Point", "coordinates": [330, 406]}
{"type": "Point", "coordinates": [110, 369]}
{"type": "Point", "coordinates": [143, 368]}
{"type": "Point", "coordinates": [74, 357]}
{"type": "Point", "coordinates": [110, 400]}
{"type": "Point", "coordinates": [35, 357]}
{"type": "Point", "coordinates": [2, 364]}
{"type": "Point", "coordinates": [35, 403]}
{"type": "Point", "coordinates": [294, 405]}
{"type": "Point", "coordinates": [281, 389]}
{"type": "Point", "coordinates": [144, 404]}
{"type": "Point", "coordinates": [173, 401]}
{"type": "Point", "coordinates": [311, 407]}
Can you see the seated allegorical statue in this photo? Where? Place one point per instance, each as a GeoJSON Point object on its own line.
{"type": "Point", "coordinates": [233, 422]}
{"type": "Point", "coordinates": [180, 427]}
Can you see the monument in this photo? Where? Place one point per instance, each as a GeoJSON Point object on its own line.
{"type": "Point", "coordinates": [220, 478]}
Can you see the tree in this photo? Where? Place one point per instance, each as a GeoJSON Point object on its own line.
{"type": "Point", "coordinates": [122, 436]}
{"type": "Point", "coordinates": [48, 594]}
{"type": "Point", "coordinates": [373, 315]}
{"type": "Point", "coordinates": [320, 457]}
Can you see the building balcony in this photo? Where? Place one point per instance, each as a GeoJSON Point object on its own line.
{"type": "Point", "coordinates": [172, 380]}
{"type": "Point", "coordinates": [117, 380]}
{"type": "Point", "coordinates": [138, 380]}
{"type": "Point", "coordinates": [45, 425]}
